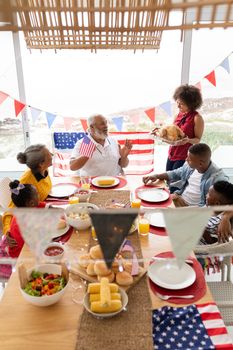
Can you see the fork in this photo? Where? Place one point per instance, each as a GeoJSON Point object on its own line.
{"type": "Point", "coordinates": [166, 297]}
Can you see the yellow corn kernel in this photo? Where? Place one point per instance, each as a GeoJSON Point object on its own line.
{"type": "Point", "coordinates": [115, 305]}
{"type": "Point", "coordinates": [94, 288]}
{"type": "Point", "coordinates": [105, 295]}
{"type": "Point", "coordinates": [96, 297]}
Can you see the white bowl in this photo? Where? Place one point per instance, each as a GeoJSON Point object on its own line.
{"type": "Point", "coordinates": [45, 300]}
{"type": "Point", "coordinates": [56, 258]}
{"type": "Point", "coordinates": [124, 300]}
{"type": "Point", "coordinates": [83, 194]}
{"type": "Point", "coordinates": [82, 220]}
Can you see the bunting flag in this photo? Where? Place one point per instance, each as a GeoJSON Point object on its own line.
{"type": "Point", "coordinates": [19, 106]}
{"type": "Point", "coordinates": [35, 112]}
{"type": "Point", "coordinates": [44, 223]}
{"type": "Point", "coordinates": [151, 114]}
{"type": "Point", "coordinates": [225, 65]}
{"type": "Point", "coordinates": [118, 121]}
{"type": "Point", "coordinates": [166, 106]}
{"type": "Point", "coordinates": [198, 85]}
{"type": "Point", "coordinates": [50, 118]}
{"type": "Point", "coordinates": [68, 122]}
{"type": "Point", "coordinates": [211, 78]}
{"type": "Point", "coordinates": [84, 124]}
{"type": "Point", "coordinates": [3, 97]}
{"type": "Point", "coordinates": [185, 234]}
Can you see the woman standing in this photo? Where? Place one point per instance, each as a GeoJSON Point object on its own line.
{"type": "Point", "coordinates": [188, 99]}
{"type": "Point", "coordinates": [38, 159]}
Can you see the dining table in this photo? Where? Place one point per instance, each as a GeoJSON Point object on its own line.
{"type": "Point", "coordinates": [25, 326]}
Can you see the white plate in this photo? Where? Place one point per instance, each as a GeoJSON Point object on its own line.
{"type": "Point", "coordinates": [124, 300]}
{"type": "Point", "coordinates": [62, 190]}
{"type": "Point", "coordinates": [153, 195]}
{"type": "Point", "coordinates": [156, 219]}
{"type": "Point", "coordinates": [167, 274]}
{"type": "Point", "coordinates": [96, 179]}
{"type": "Point", "coordinates": [60, 232]}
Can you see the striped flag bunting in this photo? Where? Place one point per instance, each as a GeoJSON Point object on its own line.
{"type": "Point", "coordinates": [193, 327]}
{"type": "Point", "coordinates": [141, 157]}
{"type": "Point", "coordinates": [87, 147]}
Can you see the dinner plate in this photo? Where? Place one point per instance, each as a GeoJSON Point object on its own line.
{"type": "Point", "coordinates": [60, 232]}
{"type": "Point", "coordinates": [156, 219]}
{"type": "Point", "coordinates": [63, 190]}
{"type": "Point", "coordinates": [95, 180]}
{"type": "Point", "coordinates": [168, 275]}
{"type": "Point", "coordinates": [124, 300]}
{"type": "Point", "coordinates": [153, 195]}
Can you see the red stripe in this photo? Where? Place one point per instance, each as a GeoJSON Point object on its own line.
{"type": "Point", "coordinates": [224, 346]}
{"type": "Point", "coordinates": [143, 172]}
{"type": "Point", "coordinates": [206, 316]}
{"type": "Point", "coordinates": [216, 331]}
{"type": "Point", "coordinates": [138, 142]}
{"type": "Point", "coordinates": [141, 151]}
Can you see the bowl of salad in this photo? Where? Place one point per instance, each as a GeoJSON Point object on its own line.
{"type": "Point", "coordinates": [44, 285]}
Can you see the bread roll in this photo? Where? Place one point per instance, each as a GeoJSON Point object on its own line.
{"type": "Point", "coordinates": [101, 268]}
{"type": "Point", "coordinates": [84, 260]}
{"type": "Point", "coordinates": [61, 224]}
{"type": "Point", "coordinates": [115, 266]}
{"type": "Point", "coordinates": [96, 252]}
{"type": "Point", "coordinates": [124, 278]}
{"type": "Point", "coordinates": [90, 269]}
{"type": "Point", "coordinates": [110, 277]}
{"type": "Point", "coordinates": [128, 267]}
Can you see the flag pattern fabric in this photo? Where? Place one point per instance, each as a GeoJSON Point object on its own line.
{"type": "Point", "coordinates": [141, 156]}
{"type": "Point", "coordinates": [63, 143]}
{"type": "Point", "coordinates": [87, 147]}
{"type": "Point", "coordinates": [193, 327]}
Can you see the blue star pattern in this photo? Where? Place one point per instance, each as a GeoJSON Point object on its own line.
{"type": "Point", "coordinates": [179, 328]}
{"type": "Point", "coordinates": [66, 140]}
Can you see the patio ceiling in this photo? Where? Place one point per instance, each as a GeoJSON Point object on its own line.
{"type": "Point", "coordinates": [108, 24]}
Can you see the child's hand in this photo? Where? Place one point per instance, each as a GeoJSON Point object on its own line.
{"type": "Point", "coordinates": [10, 241]}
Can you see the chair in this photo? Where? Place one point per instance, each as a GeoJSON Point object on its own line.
{"type": "Point", "coordinates": [63, 143]}
{"type": "Point", "coordinates": [141, 157]}
{"type": "Point", "coordinates": [222, 291]}
{"type": "Point", "coordinates": [5, 194]}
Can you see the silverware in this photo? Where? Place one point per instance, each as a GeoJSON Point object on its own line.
{"type": "Point", "coordinates": [166, 297]}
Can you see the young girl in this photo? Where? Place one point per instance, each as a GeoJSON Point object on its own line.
{"type": "Point", "coordinates": [22, 195]}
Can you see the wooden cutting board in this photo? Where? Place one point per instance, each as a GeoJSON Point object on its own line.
{"type": "Point", "coordinates": [81, 272]}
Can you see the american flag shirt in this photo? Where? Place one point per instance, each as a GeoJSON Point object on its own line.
{"type": "Point", "coordinates": [193, 327]}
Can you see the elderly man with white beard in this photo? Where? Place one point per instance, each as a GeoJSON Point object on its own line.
{"type": "Point", "coordinates": [97, 153]}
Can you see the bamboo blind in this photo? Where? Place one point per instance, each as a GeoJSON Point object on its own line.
{"type": "Point", "coordinates": [109, 24]}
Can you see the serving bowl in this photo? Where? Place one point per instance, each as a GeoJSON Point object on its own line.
{"type": "Point", "coordinates": [45, 300]}
{"type": "Point", "coordinates": [77, 215]}
{"type": "Point", "coordinates": [124, 300]}
{"type": "Point", "coordinates": [53, 253]}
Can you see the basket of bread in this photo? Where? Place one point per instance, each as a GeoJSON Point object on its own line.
{"type": "Point", "coordinates": [92, 267]}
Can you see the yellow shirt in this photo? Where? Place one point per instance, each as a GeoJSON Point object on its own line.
{"type": "Point", "coordinates": [43, 187]}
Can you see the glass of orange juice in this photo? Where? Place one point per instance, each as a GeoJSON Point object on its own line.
{"type": "Point", "coordinates": [73, 200]}
{"type": "Point", "coordinates": [135, 203]}
{"type": "Point", "coordinates": [143, 226]}
{"type": "Point", "coordinates": [85, 182]}
{"type": "Point", "coordinates": [93, 233]}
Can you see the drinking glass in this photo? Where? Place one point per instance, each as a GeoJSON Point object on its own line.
{"type": "Point", "coordinates": [143, 226]}
{"type": "Point", "coordinates": [85, 182]}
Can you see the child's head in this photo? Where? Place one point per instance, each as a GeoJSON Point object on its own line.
{"type": "Point", "coordinates": [23, 195]}
{"type": "Point", "coordinates": [221, 193]}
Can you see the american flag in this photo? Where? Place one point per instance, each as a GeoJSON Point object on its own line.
{"type": "Point", "coordinates": [87, 147]}
{"type": "Point", "coordinates": [141, 156]}
{"type": "Point", "coordinates": [194, 327]}
{"type": "Point", "coordinates": [61, 164]}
